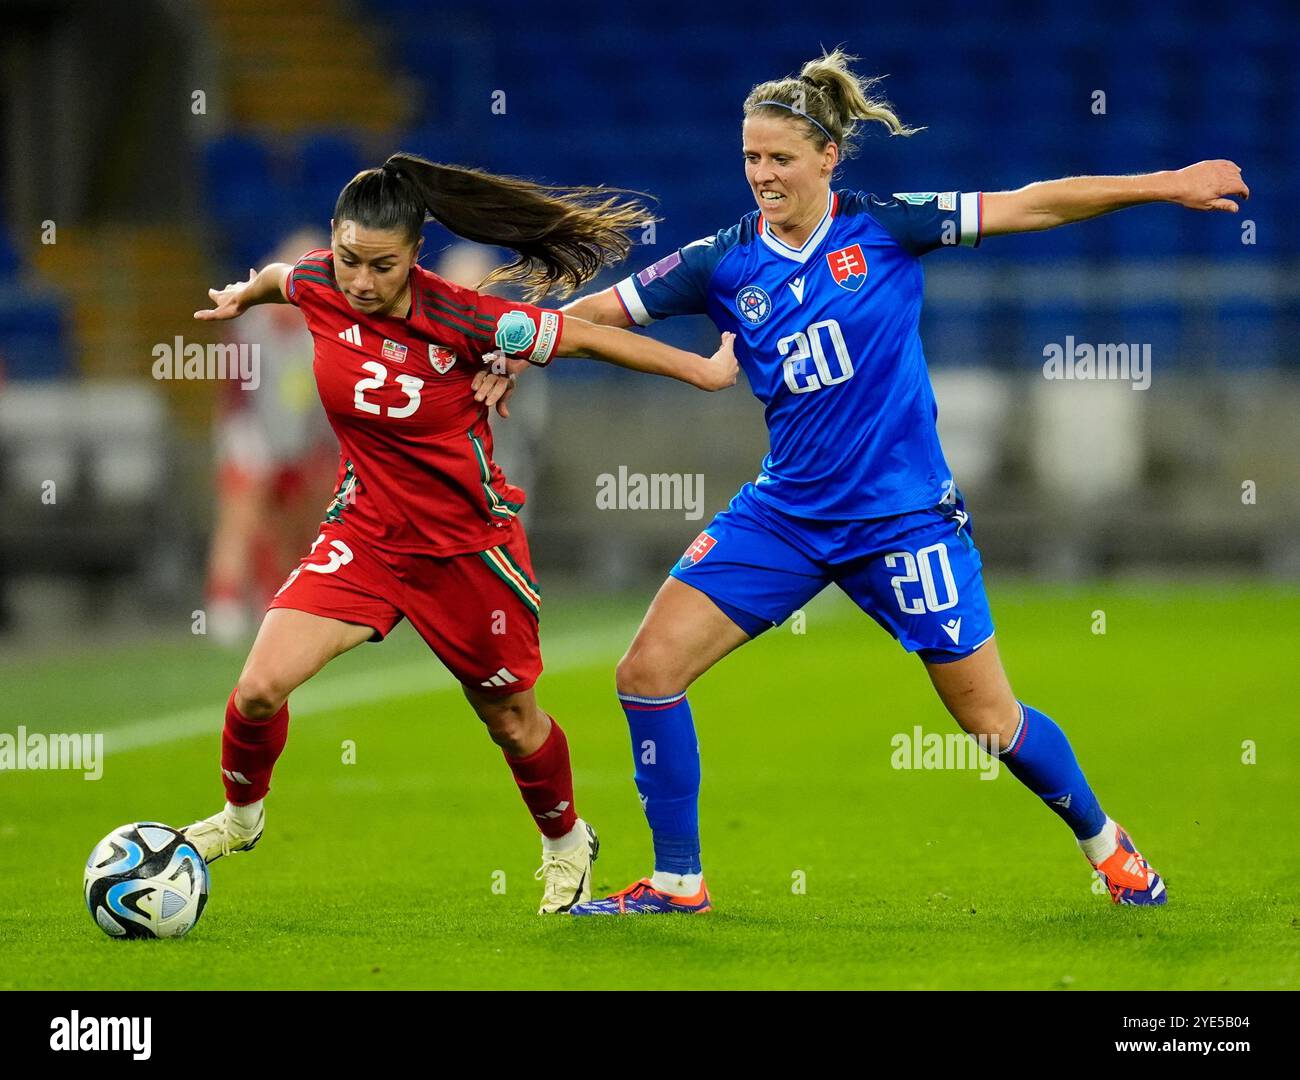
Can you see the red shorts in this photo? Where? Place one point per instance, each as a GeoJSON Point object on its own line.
{"type": "Point", "coordinates": [477, 612]}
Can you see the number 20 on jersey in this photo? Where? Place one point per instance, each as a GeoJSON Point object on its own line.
{"type": "Point", "coordinates": [798, 349]}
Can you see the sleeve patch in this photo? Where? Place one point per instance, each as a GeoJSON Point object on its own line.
{"type": "Point", "coordinates": [547, 337]}
{"type": "Point", "coordinates": [657, 270]}
{"type": "Point", "coordinates": [515, 331]}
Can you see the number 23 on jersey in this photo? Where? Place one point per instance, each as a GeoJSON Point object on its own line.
{"type": "Point", "coordinates": [379, 375]}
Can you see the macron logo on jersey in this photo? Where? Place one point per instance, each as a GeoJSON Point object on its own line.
{"type": "Point", "coordinates": [352, 335]}
{"type": "Point", "coordinates": [796, 287]}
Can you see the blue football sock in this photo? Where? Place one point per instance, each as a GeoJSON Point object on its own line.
{"type": "Point", "coordinates": [1040, 758]}
{"type": "Point", "coordinates": [667, 775]}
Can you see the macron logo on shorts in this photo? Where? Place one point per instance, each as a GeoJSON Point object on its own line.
{"type": "Point", "coordinates": [700, 547]}
{"type": "Point", "coordinates": [503, 677]}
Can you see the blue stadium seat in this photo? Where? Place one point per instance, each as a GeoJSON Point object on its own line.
{"type": "Point", "coordinates": [1045, 323]}
{"type": "Point", "coordinates": [1163, 325]}
{"type": "Point", "coordinates": [1145, 232]}
{"type": "Point", "coordinates": [326, 162]}
{"type": "Point", "coordinates": [245, 198]}
{"type": "Point", "coordinates": [963, 335]}
{"type": "Point", "coordinates": [33, 335]}
{"type": "Point", "coordinates": [9, 258]}
{"type": "Point", "coordinates": [236, 163]}
{"type": "Point", "coordinates": [1246, 334]}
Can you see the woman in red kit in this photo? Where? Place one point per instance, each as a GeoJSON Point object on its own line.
{"type": "Point", "coordinates": [423, 523]}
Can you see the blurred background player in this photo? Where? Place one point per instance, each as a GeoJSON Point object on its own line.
{"type": "Point", "coordinates": [275, 460]}
{"type": "Point", "coordinates": [519, 444]}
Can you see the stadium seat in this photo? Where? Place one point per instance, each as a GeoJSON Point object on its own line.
{"type": "Point", "coordinates": [1246, 334]}
{"type": "Point", "coordinates": [33, 336]}
{"type": "Point", "coordinates": [9, 258]}
{"type": "Point", "coordinates": [326, 162]}
{"type": "Point", "coordinates": [1162, 325]}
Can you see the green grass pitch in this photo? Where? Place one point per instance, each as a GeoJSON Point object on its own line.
{"type": "Point", "coordinates": [381, 874]}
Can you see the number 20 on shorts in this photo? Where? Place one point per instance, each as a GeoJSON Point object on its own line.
{"type": "Point", "coordinates": [921, 567]}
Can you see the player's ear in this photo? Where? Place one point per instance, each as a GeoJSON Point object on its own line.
{"type": "Point", "coordinates": [830, 158]}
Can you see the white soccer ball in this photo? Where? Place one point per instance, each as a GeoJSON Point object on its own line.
{"type": "Point", "coordinates": [145, 880]}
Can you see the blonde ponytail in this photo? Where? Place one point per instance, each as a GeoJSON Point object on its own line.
{"type": "Point", "coordinates": [830, 99]}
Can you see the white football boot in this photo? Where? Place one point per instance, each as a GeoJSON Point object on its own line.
{"type": "Point", "coordinates": [216, 836]}
{"type": "Point", "coordinates": [567, 874]}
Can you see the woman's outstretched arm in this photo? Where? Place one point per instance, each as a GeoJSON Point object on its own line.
{"type": "Point", "coordinates": [266, 287]}
{"type": "Point", "coordinates": [640, 353]}
{"type": "Point", "coordinates": [634, 351]}
{"type": "Point", "coordinates": [1049, 203]}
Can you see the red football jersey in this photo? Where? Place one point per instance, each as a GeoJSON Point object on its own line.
{"type": "Point", "coordinates": [415, 469]}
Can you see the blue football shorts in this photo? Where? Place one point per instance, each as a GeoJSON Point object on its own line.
{"type": "Point", "coordinates": [917, 574]}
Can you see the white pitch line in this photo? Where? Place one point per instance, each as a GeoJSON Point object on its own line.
{"type": "Point", "coordinates": [325, 694]}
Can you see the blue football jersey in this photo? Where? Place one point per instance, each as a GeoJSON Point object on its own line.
{"type": "Point", "coordinates": [828, 337]}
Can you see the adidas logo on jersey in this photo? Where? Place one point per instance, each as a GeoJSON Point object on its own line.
{"type": "Point", "coordinates": [352, 335]}
{"type": "Point", "coordinates": [503, 677]}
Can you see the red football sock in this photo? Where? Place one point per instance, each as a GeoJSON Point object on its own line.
{"type": "Point", "coordinates": [224, 589]}
{"type": "Point", "coordinates": [249, 749]}
{"type": "Point", "coordinates": [545, 781]}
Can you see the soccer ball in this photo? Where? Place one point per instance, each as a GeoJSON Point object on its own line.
{"type": "Point", "coordinates": [145, 880]}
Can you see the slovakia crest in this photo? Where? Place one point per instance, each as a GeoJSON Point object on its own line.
{"type": "Point", "coordinates": [394, 351]}
{"type": "Point", "coordinates": [700, 547]}
{"type": "Point", "coordinates": [848, 267]}
{"type": "Point", "coordinates": [441, 358]}
{"type": "Point", "coordinates": [753, 304]}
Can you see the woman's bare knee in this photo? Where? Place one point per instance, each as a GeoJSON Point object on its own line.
{"type": "Point", "coordinates": [998, 720]}
{"type": "Point", "coordinates": [977, 694]}
{"type": "Point", "coordinates": [649, 670]}
{"type": "Point", "coordinates": [259, 696]}
{"type": "Point", "coordinates": [291, 647]}
{"type": "Point", "coordinates": [513, 722]}
{"type": "Point", "coordinates": [683, 635]}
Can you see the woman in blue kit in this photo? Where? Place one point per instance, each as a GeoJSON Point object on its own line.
{"type": "Point", "coordinates": [823, 290]}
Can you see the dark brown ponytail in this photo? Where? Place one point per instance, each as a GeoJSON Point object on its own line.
{"type": "Point", "coordinates": [563, 236]}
